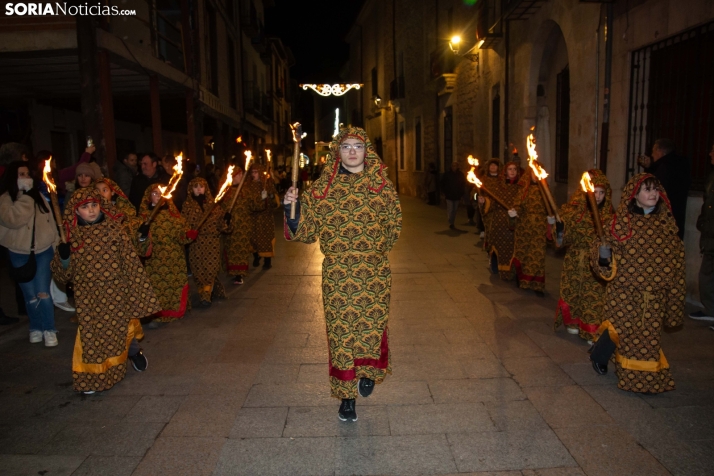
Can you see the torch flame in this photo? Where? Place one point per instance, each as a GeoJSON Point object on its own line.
{"type": "Point", "coordinates": [586, 184]}
{"type": "Point", "coordinates": [226, 184]}
{"type": "Point", "coordinates": [248, 156]}
{"type": "Point", "coordinates": [471, 176]}
{"type": "Point", "coordinates": [239, 139]}
{"type": "Point", "coordinates": [47, 177]}
{"type": "Point", "coordinates": [539, 171]}
{"type": "Point", "coordinates": [268, 154]}
{"type": "Point", "coordinates": [472, 161]}
{"type": "Point", "coordinates": [173, 182]}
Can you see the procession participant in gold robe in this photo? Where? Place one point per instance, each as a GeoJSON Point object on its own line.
{"type": "Point", "coordinates": [166, 259]}
{"type": "Point", "coordinates": [531, 224]}
{"type": "Point", "coordinates": [490, 179]}
{"type": "Point", "coordinates": [261, 195]}
{"type": "Point", "coordinates": [500, 234]}
{"type": "Point", "coordinates": [237, 247]}
{"type": "Point", "coordinates": [204, 254]}
{"type": "Point", "coordinates": [354, 210]}
{"type": "Point", "coordinates": [643, 262]}
{"type": "Point", "coordinates": [112, 292]}
{"type": "Point", "coordinates": [582, 292]}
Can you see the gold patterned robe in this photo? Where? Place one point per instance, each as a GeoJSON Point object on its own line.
{"type": "Point", "coordinates": [204, 254]}
{"type": "Point", "coordinates": [357, 218]}
{"type": "Point", "coordinates": [530, 235]}
{"type": "Point", "coordinates": [501, 236]}
{"type": "Point", "coordinates": [111, 291]}
{"type": "Point", "coordinates": [237, 247]}
{"type": "Point", "coordinates": [166, 259]}
{"type": "Point", "coordinates": [262, 236]}
{"type": "Point", "coordinates": [582, 292]}
{"type": "Point", "coordinates": [645, 290]}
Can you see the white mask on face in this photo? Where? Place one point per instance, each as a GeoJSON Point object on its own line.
{"type": "Point", "coordinates": [24, 183]}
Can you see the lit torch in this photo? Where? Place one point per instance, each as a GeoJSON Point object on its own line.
{"type": "Point", "coordinates": [248, 157]}
{"type": "Point", "coordinates": [541, 174]}
{"type": "Point", "coordinates": [47, 178]}
{"type": "Point", "coordinates": [471, 177]}
{"type": "Point", "coordinates": [297, 138]}
{"type": "Point", "coordinates": [588, 188]}
{"type": "Point", "coordinates": [167, 190]}
{"type": "Point", "coordinates": [221, 192]}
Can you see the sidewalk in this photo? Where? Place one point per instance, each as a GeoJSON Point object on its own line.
{"type": "Point", "coordinates": [481, 385]}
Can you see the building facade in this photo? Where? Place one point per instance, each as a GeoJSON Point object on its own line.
{"type": "Point", "coordinates": [599, 82]}
{"type": "Point", "coordinates": [173, 76]}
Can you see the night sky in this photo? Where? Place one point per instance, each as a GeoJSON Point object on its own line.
{"type": "Point", "coordinates": [315, 31]}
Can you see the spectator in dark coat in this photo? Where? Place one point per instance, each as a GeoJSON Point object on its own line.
{"type": "Point", "coordinates": [453, 186]}
{"type": "Point", "coordinates": [125, 171]}
{"type": "Point", "coordinates": [674, 173]}
{"type": "Point", "coordinates": [150, 174]}
{"type": "Point", "coordinates": [705, 224]}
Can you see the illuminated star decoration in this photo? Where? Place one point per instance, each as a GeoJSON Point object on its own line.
{"type": "Point", "coordinates": [330, 89]}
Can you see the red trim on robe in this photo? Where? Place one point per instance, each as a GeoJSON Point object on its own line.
{"type": "Point", "coordinates": [351, 374]}
{"type": "Point", "coordinates": [525, 277]}
{"type": "Point", "coordinates": [568, 319]}
{"type": "Point", "coordinates": [286, 230]}
{"type": "Point", "coordinates": [182, 309]}
{"type": "Point", "coordinates": [238, 267]}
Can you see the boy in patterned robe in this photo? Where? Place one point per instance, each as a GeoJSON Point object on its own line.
{"type": "Point", "coordinates": [237, 247]}
{"type": "Point", "coordinates": [581, 291]}
{"type": "Point", "coordinates": [261, 203]}
{"type": "Point", "coordinates": [112, 292]}
{"type": "Point", "coordinates": [165, 264]}
{"type": "Point", "coordinates": [354, 210]}
{"type": "Point", "coordinates": [500, 236]}
{"type": "Point", "coordinates": [531, 218]}
{"type": "Point", "coordinates": [204, 254]}
{"type": "Point", "coordinates": [643, 262]}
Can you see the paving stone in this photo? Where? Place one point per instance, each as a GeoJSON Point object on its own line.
{"type": "Point", "coordinates": [277, 373]}
{"type": "Point", "coordinates": [289, 395]}
{"type": "Point", "coordinates": [313, 373]}
{"type": "Point", "coordinates": [277, 456]}
{"type": "Point", "coordinates": [323, 421]}
{"type": "Point", "coordinates": [483, 368]}
{"type": "Point", "coordinates": [110, 439]}
{"type": "Point", "coordinates": [155, 408]}
{"type": "Point", "coordinates": [608, 450]}
{"type": "Point", "coordinates": [259, 423]}
{"type": "Point", "coordinates": [395, 392]}
{"type": "Point", "coordinates": [100, 407]}
{"type": "Point", "coordinates": [108, 466]}
{"type": "Point", "coordinates": [475, 390]}
{"type": "Point", "coordinates": [536, 372]}
{"type": "Point", "coordinates": [181, 456]}
{"type": "Point", "coordinates": [204, 416]}
{"type": "Point", "coordinates": [506, 450]}
{"type": "Point", "coordinates": [28, 436]}
{"type": "Point", "coordinates": [413, 454]}
{"type": "Point", "coordinates": [23, 465]}
{"type": "Point", "coordinates": [553, 472]}
{"type": "Point", "coordinates": [515, 415]}
{"type": "Point", "coordinates": [440, 418]}
{"type": "Point", "coordinates": [155, 385]}
{"type": "Point", "coordinates": [563, 407]}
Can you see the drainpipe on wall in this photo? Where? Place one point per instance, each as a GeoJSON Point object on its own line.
{"type": "Point", "coordinates": [606, 98]}
{"type": "Point", "coordinates": [506, 148]}
{"type": "Point", "coordinates": [396, 118]}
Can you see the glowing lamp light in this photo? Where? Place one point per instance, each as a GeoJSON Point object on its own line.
{"type": "Point", "coordinates": [226, 184]}
{"type": "Point", "coordinates": [46, 176]}
{"type": "Point", "coordinates": [331, 89]}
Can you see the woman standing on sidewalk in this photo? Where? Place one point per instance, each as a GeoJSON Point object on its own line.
{"type": "Point", "coordinates": [28, 230]}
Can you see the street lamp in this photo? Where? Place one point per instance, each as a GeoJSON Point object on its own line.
{"type": "Point", "coordinates": [472, 53]}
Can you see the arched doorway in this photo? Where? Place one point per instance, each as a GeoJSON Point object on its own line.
{"type": "Point", "coordinates": [551, 91]}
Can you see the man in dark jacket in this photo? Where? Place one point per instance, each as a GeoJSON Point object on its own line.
{"type": "Point", "coordinates": [125, 171]}
{"type": "Point", "coordinates": [453, 185]}
{"type": "Point", "coordinates": [150, 174]}
{"type": "Point", "coordinates": [705, 224]}
{"type": "Point", "coordinates": [674, 173]}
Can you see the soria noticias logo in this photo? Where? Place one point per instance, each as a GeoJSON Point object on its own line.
{"type": "Point", "coordinates": [64, 8]}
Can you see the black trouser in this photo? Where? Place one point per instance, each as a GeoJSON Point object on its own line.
{"type": "Point", "coordinates": [603, 349]}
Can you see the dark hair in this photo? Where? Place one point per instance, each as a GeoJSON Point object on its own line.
{"type": "Point", "coordinates": [665, 145]}
{"type": "Point", "coordinates": [126, 156]}
{"type": "Point", "coordinates": [648, 182]}
{"type": "Point", "coordinates": [189, 169]}
{"type": "Point", "coordinates": [13, 152]}
{"type": "Point", "coordinates": [154, 158]}
{"type": "Point", "coordinates": [170, 159]}
{"type": "Point", "coordinates": [9, 184]}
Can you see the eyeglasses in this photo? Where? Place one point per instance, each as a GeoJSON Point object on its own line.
{"type": "Point", "coordinates": [355, 147]}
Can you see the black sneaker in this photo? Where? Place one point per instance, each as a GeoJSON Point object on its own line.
{"type": "Point", "coordinates": [365, 387]}
{"type": "Point", "coordinates": [205, 303]}
{"type": "Point", "coordinates": [267, 263]}
{"type": "Point", "coordinates": [600, 368]}
{"type": "Point", "coordinates": [238, 280]}
{"type": "Point", "coordinates": [139, 361]}
{"type": "Point", "coordinates": [256, 261]}
{"type": "Point", "coordinates": [347, 410]}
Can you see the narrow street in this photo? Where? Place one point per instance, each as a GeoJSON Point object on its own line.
{"type": "Point", "coordinates": [481, 384]}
